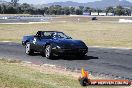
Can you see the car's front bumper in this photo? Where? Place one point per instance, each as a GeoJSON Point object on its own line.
{"type": "Point", "coordinates": [75, 51]}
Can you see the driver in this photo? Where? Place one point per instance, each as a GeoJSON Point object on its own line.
{"type": "Point", "coordinates": [54, 35]}
{"type": "Point", "coordinates": [39, 33]}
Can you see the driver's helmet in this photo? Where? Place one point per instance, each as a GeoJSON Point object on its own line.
{"type": "Point", "coordinates": [54, 35]}
{"type": "Point", "coordinates": [39, 33]}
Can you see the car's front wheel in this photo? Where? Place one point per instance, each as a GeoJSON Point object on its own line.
{"type": "Point", "coordinates": [28, 49]}
{"type": "Point", "coordinates": [48, 52]}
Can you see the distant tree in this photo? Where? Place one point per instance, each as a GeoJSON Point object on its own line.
{"type": "Point", "coordinates": [46, 10]}
{"type": "Point", "coordinates": [131, 10]}
{"type": "Point", "coordinates": [28, 9]}
{"type": "Point", "coordinates": [119, 10]}
{"type": "Point", "coordinates": [87, 9]}
{"type": "Point", "coordinates": [3, 8]}
{"type": "Point", "coordinates": [52, 10]}
{"type": "Point", "coordinates": [19, 10]}
{"type": "Point", "coordinates": [66, 10]}
{"type": "Point", "coordinates": [81, 8]}
{"type": "Point", "coordinates": [93, 10]}
{"type": "Point", "coordinates": [79, 12]}
{"type": "Point", "coordinates": [0, 9]}
{"type": "Point", "coordinates": [109, 9]}
{"type": "Point", "coordinates": [14, 7]}
{"type": "Point", "coordinates": [72, 10]}
{"type": "Point", "coordinates": [127, 12]}
{"type": "Point", "coordinates": [14, 2]}
{"type": "Point", "coordinates": [62, 11]}
{"type": "Point", "coordinates": [99, 10]}
{"type": "Point", "coordinates": [58, 9]}
{"type": "Point", "coordinates": [11, 10]}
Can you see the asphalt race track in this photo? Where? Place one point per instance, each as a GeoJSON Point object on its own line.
{"type": "Point", "coordinates": [109, 62]}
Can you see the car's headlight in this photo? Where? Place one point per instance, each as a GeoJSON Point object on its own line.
{"type": "Point", "coordinates": [58, 47]}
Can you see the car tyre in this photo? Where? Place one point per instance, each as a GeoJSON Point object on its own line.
{"type": "Point", "coordinates": [48, 52]}
{"type": "Point", "coordinates": [28, 49]}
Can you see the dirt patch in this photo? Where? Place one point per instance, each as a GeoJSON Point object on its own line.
{"type": "Point", "coordinates": [52, 69]}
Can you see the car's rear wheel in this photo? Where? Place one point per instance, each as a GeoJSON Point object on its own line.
{"type": "Point", "coordinates": [48, 52]}
{"type": "Point", "coordinates": [28, 49]}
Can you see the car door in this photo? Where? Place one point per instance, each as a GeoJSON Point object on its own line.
{"type": "Point", "coordinates": [35, 43]}
{"type": "Point", "coordinates": [38, 43]}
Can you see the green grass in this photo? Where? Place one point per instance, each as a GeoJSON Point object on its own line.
{"type": "Point", "coordinates": [15, 75]}
{"type": "Point", "coordinates": [97, 33]}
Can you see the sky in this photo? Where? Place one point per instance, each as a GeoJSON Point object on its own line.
{"type": "Point", "coordinates": [49, 1]}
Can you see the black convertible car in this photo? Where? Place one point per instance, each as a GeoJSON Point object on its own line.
{"type": "Point", "coordinates": [53, 43]}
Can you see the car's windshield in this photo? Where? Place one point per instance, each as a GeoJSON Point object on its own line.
{"type": "Point", "coordinates": [55, 35]}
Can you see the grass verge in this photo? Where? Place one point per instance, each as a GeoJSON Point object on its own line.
{"type": "Point", "coordinates": [16, 75]}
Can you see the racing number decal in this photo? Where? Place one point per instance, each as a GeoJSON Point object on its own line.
{"type": "Point", "coordinates": [34, 40]}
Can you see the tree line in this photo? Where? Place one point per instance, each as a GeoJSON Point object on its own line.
{"type": "Point", "coordinates": [15, 8]}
